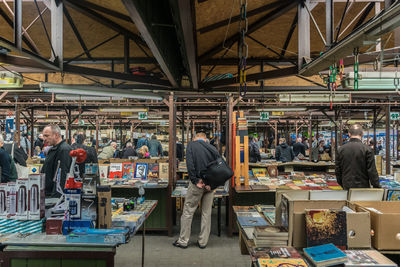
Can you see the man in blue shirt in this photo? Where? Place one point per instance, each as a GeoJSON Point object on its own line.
{"type": "Point", "coordinates": [142, 142]}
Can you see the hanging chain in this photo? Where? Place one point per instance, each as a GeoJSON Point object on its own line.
{"type": "Point", "coordinates": [356, 68]}
{"type": "Point", "coordinates": [243, 48]}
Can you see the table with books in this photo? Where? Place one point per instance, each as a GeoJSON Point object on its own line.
{"type": "Point", "coordinates": [179, 194]}
{"type": "Point", "coordinates": [267, 244]}
{"type": "Point", "coordinates": [76, 248]}
{"type": "Point", "coordinates": [303, 165]}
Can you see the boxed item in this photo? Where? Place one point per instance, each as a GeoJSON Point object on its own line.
{"type": "Point", "coordinates": [54, 226]}
{"type": "Point", "coordinates": [292, 212]}
{"type": "Point", "coordinates": [89, 207]}
{"type": "Point", "coordinates": [11, 199]}
{"type": "Point", "coordinates": [385, 217]}
{"type": "Point", "coordinates": [36, 196]}
{"type": "Point", "coordinates": [73, 203]}
{"type": "Point", "coordinates": [129, 220]}
{"type": "Point", "coordinates": [3, 201]}
{"type": "Point", "coordinates": [17, 226]}
{"type": "Point", "coordinates": [89, 185]}
{"type": "Point", "coordinates": [366, 194]}
{"type": "Point", "coordinates": [22, 187]}
{"type": "Point", "coordinates": [294, 194]}
{"type": "Point", "coordinates": [91, 168]}
{"type": "Point", "coordinates": [69, 226]}
{"type": "Point", "coordinates": [101, 236]}
{"type": "Point", "coordinates": [104, 206]}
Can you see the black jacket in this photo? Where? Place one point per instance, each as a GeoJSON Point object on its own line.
{"type": "Point", "coordinates": [197, 158]}
{"type": "Point", "coordinates": [284, 153]}
{"type": "Point", "coordinates": [129, 152]}
{"type": "Point", "coordinates": [57, 153]}
{"type": "Point", "coordinates": [355, 166]}
{"type": "Point", "coordinates": [180, 151]}
{"type": "Point", "coordinates": [254, 152]}
{"type": "Point", "coordinates": [5, 165]}
{"type": "Point", "coordinates": [39, 142]}
{"type": "Point", "coordinates": [91, 156]}
{"type": "Point", "coordinates": [20, 156]}
{"type": "Point", "coordinates": [299, 148]}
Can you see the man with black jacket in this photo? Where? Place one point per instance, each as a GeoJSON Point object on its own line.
{"type": "Point", "coordinates": [58, 152]}
{"type": "Point", "coordinates": [198, 156]}
{"type": "Point", "coordinates": [91, 155]}
{"type": "Point", "coordinates": [355, 163]}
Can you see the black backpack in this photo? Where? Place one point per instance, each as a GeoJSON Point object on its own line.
{"type": "Point", "coordinates": [217, 172]}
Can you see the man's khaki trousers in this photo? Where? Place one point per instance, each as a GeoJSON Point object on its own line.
{"type": "Point", "coordinates": [193, 197]}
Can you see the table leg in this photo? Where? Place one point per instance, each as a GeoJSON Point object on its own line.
{"type": "Point", "coordinates": [143, 237]}
{"type": "Point", "coordinates": [227, 210]}
{"type": "Point", "coordinates": [174, 210]}
{"type": "Point", "coordinates": [219, 216]}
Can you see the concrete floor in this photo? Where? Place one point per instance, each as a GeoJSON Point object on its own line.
{"type": "Point", "coordinates": [220, 251]}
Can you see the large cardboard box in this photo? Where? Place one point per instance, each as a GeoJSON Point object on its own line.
{"type": "Point", "coordinates": [292, 213]}
{"type": "Point", "coordinates": [385, 223]}
{"type": "Point", "coordinates": [294, 195]}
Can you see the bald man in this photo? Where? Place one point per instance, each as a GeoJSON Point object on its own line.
{"type": "Point", "coordinates": [355, 162]}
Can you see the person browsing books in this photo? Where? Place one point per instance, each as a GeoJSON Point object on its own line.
{"type": "Point", "coordinates": [198, 156]}
{"type": "Point", "coordinates": [355, 163]}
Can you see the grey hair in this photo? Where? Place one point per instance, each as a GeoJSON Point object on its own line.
{"type": "Point", "coordinates": [129, 144]}
{"type": "Point", "coordinates": [55, 129]}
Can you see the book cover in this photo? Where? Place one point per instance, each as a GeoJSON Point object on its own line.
{"type": "Point", "coordinates": [141, 170]}
{"type": "Point", "coordinates": [326, 226]}
{"type": "Point", "coordinates": [127, 170]}
{"type": "Point", "coordinates": [325, 254]}
{"type": "Point", "coordinates": [393, 195]}
{"type": "Point", "coordinates": [153, 170]}
{"type": "Point", "coordinates": [275, 253]}
{"type": "Point", "coordinates": [115, 170]}
{"type": "Point", "coordinates": [244, 209]}
{"type": "Point", "coordinates": [163, 170]}
{"type": "Point", "coordinates": [265, 262]}
{"type": "Point", "coordinates": [270, 216]}
{"type": "Point", "coordinates": [270, 243]}
{"type": "Point", "coordinates": [250, 219]}
{"type": "Point", "coordinates": [259, 172]}
{"type": "Point", "coordinates": [103, 171]}
{"type": "Point", "coordinates": [371, 257]}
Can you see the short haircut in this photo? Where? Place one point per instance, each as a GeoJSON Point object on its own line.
{"type": "Point", "coordinates": [282, 140]}
{"type": "Point", "coordinates": [80, 138]}
{"type": "Point", "coordinates": [299, 139]}
{"type": "Point", "coordinates": [201, 135]}
{"type": "Point", "coordinates": [356, 130]}
{"type": "Point", "coordinates": [55, 129]}
{"type": "Point", "coordinates": [129, 144]}
{"type": "Point", "coordinates": [154, 137]}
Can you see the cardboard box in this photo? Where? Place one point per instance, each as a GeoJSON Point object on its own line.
{"type": "Point", "coordinates": [11, 199]}
{"type": "Point", "coordinates": [358, 223]}
{"type": "Point", "coordinates": [54, 226]}
{"type": "Point", "coordinates": [385, 218]}
{"type": "Point", "coordinates": [3, 201]}
{"type": "Point", "coordinates": [22, 188]}
{"type": "Point", "coordinates": [366, 194]}
{"type": "Point", "coordinates": [104, 207]}
{"type": "Point", "coordinates": [36, 196]}
{"type": "Point", "coordinates": [73, 203]}
{"type": "Point", "coordinates": [89, 207]}
{"type": "Point", "coordinates": [294, 194]}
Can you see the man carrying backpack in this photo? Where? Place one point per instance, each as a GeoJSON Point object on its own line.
{"type": "Point", "coordinates": [199, 154]}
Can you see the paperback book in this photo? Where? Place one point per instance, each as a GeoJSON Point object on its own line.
{"type": "Point", "coordinates": [275, 253]}
{"type": "Point", "coordinates": [265, 262]}
{"type": "Point", "coordinates": [250, 219]}
{"type": "Point", "coordinates": [361, 258]}
{"type": "Point", "coordinates": [325, 255]}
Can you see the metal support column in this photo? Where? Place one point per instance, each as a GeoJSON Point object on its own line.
{"type": "Point", "coordinates": [310, 137]}
{"type": "Point", "coordinates": [276, 134]}
{"type": "Point", "coordinates": [329, 22]}
{"type": "Point", "coordinates": [183, 125]}
{"type": "Point", "coordinates": [171, 159]}
{"type": "Point", "coordinates": [18, 23]}
{"type": "Point", "coordinates": [303, 33]}
{"type": "Point", "coordinates": [57, 17]}
{"type": "Point", "coordinates": [126, 54]}
{"type": "Point", "coordinates": [97, 134]}
{"type": "Point", "coordinates": [32, 121]}
{"type": "Point", "coordinates": [374, 125]}
{"type": "Point", "coordinates": [341, 131]}
{"type": "Point", "coordinates": [17, 133]}
{"type": "Point", "coordinates": [387, 115]}
{"type": "Point", "coordinates": [229, 157]}
{"type": "Point", "coordinates": [220, 132]}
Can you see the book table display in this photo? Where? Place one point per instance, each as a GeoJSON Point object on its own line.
{"type": "Point", "coordinates": [268, 245]}
{"type": "Point", "coordinates": [54, 250]}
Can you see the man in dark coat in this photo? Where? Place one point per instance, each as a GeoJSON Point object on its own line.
{"type": "Point", "coordinates": [299, 147]}
{"type": "Point", "coordinates": [129, 151]}
{"type": "Point", "coordinates": [254, 150]}
{"type": "Point", "coordinates": [58, 152]}
{"type": "Point", "coordinates": [355, 163]}
{"type": "Point", "coordinates": [283, 151]}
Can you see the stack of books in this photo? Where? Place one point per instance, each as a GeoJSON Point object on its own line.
{"type": "Point", "coordinates": [325, 255]}
{"type": "Point", "coordinates": [270, 236]}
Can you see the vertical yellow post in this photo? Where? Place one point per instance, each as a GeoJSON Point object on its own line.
{"type": "Point", "coordinates": [237, 160]}
{"type": "Point", "coordinates": [246, 160]}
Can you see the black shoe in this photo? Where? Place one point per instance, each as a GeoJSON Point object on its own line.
{"type": "Point", "coordinates": [200, 246]}
{"type": "Point", "coordinates": [178, 245]}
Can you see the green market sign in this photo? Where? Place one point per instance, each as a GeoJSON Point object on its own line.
{"type": "Point", "coordinates": [394, 116]}
{"type": "Point", "coordinates": [264, 116]}
{"type": "Point", "coordinates": [142, 115]}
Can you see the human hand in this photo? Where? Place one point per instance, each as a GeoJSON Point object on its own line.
{"type": "Point", "coordinates": [200, 184]}
{"type": "Point", "coordinates": [207, 187]}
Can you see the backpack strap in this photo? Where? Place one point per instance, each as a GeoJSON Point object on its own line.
{"type": "Point", "coordinates": [215, 154]}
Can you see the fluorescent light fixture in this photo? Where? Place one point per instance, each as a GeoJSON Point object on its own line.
{"type": "Point", "coordinates": [96, 91]}
{"type": "Point", "coordinates": [314, 98]}
{"type": "Point", "coordinates": [288, 109]}
{"type": "Point", "coordinates": [86, 98]}
{"type": "Point", "coordinates": [372, 80]}
{"type": "Point", "coordinates": [123, 110]}
{"type": "Point", "coordinates": [10, 80]}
